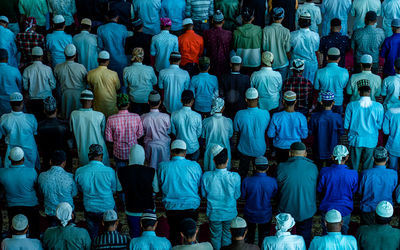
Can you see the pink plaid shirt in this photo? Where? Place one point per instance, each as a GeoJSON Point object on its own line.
{"type": "Point", "coordinates": [123, 129]}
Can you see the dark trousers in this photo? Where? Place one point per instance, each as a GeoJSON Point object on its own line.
{"type": "Point", "coordinates": [200, 27]}
{"type": "Point", "coordinates": [139, 108]}
{"type": "Point", "coordinates": [93, 222]}
{"type": "Point", "coordinates": [303, 228]}
{"type": "Point", "coordinates": [32, 213]}
{"type": "Point", "coordinates": [282, 155]}
{"type": "Point", "coordinates": [194, 156]}
{"type": "Point", "coordinates": [244, 165]}
{"type": "Point", "coordinates": [134, 226]}
{"type": "Point", "coordinates": [175, 218]}
{"type": "Point", "coordinates": [36, 108]}
{"type": "Point", "coordinates": [191, 68]}
{"type": "Point", "coordinates": [263, 231]}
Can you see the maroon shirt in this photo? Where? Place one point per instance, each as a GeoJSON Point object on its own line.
{"type": "Point", "coordinates": [218, 44]}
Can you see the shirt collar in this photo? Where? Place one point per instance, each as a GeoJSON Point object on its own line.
{"type": "Point", "coordinates": [380, 166]}
{"type": "Point", "coordinates": [305, 29]}
{"type": "Point", "coordinates": [365, 98]}
{"type": "Point", "coordinates": [37, 62]}
{"type": "Point", "coordinates": [260, 174]}
{"type": "Point", "coordinates": [85, 31]}
{"type": "Point", "coordinates": [252, 108]}
{"type": "Point", "coordinates": [149, 233]}
{"type": "Point", "coordinates": [334, 233]}
{"type": "Point", "coordinates": [165, 31]}
{"type": "Point", "coordinates": [83, 109]}
{"type": "Point", "coordinates": [235, 73]}
{"type": "Point", "coordinates": [267, 68]}
{"type": "Point", "coordinates": [137, 63]}
{"type": "Point", "coordinates": [367, 71]}
{"type": "Point", "coordinates": [23, 236]}
{"type": "Point", "coordinates": [190, 31]}
{"type": "Point", "coordinates": [17, 166]}
{"type": "Point", "coordinates": [96, 162]}
{"type": "Point", "coordinates": [218, 114]}
{"type": "Point", "coordinates": [186, 108]}
{"type": "Point", "coordinates": [178, 158]}
{"type": "Point", "coordinates": [174, 66]}
{"type": "Point", "coordinates": [339, 166]}
{"type": "Point", "coordinates": [123, 111]}
{"type": "Point", "coordinates": [221, 169]}
{"type": "Point", "coordinates": [332, 64]}
{"type": "Point", "coordinates": [57, 168]}
{"type": "Point", "coordinates": [3, 64]}
{"type": "Point", "coordinates": [155, 110]}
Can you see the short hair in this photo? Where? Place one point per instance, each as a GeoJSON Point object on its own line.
{"type": "Point", "coordinates": [222, 157]}
{"type": "Point", "coordinates": [59, 25]}
{"type": "Point", "coordinates": [16, 104]}
{"type": "Point", "coordinates": [366, 65]}
{"type": "Point", "coordinates": [238, 232]}
{"type": "Point", "coordinates": [153, 104]}
{"type": "Point", "coordinates": [178, 151]}
{"type": "Point", "coordinates": [85, 26]}
{"type": "Point", "coordinates": [381, 220]}
{"type": "Point", "coordinates": [290, 103]}
{"type": "Point", "coordinates": [108, 224]}
{"type": "Point", "coordinates": [380, 160]}
{"type": "Point", "coordinates": [335, 22]}
{"type": "Point", "coordinates": [326, 103]}
{"type": "Point", "coordinates": [58, 157]}
{"type": "Point", "coordinates": [34, 58]}
{"type": "Point", "coordinates": [103, 60]}
{"type": "Point", "coordinates": [187, 96]}
{"type": "Point", "coordinates": [148, 223]}
{"type": "Point", "coordinates": [304, 23]}
{"type": "Point", "coordinates": [204, 67]}
{"type": "Point", "coordinates": [333, 57]}
{"type": "Point", "coordinates": [69, 57]}
{"type": "Point", "coordinates": [188, 227]}
{"type": "Point", "coordinates": [364, 89]}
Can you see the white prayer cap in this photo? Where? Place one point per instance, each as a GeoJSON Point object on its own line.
{"type": "Point", "coordinates": [187, 21]}
{"type": "Point", "coordinates": [87, 95]}
{"type": "Point", "coordinates": [19, 222]}
{"type": "Point", "coordinates": [216, 149]}
{"type": "Point", "coordinates": [289, 96]}
{"type": "Point", "coordinates": [333, 216]}
{"type": "Point", "coordinates": [251, 93]}
{"type": "Point", "coordinates": [366, 59]}
{"type": "Point", "coordinates": [284, 222]}
{"type": "Point", "coordinates": [238, 222]}
{"type": "Point", "coordinates": [305, 15]}
{"type": "Point", "coordinates": [58, 19]}
{"type": "Point", "coordinates": [4, 19]}
{"type": "Point", "coordinates": [64, 213]}
{"type": "Point", "coordinates": [16, 97]}
{"type": "Point", "coordinates": [340, 152]}
{"type": "Point", "coordinates": [70, 50]}
{"type": "Point", "coordinates": [178, 144]}
{"type": "Point", "coordinates": [136, 155]}
{"type": "Point", "coordinates": [86, 21]}
{"type": "Point", "coordinates": [384, 209]}
{"type": "Point", "coordinates": [104, 55]}
{"type": "Point", "coordinates": [16, 154]}
{"type": "Point", "coordinates": [37, 51]}
{"type": "Point", "coordinates": [236, 60]}
{"type": "Point", "coordinates": [110, 215]}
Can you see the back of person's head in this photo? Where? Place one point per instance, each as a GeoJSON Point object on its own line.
{"type": "Point", "coordinates": [58, 157]}
{"type": "Point", "coordinates": [187, 97]}
{"type": "Point", "coordinates": [371, 17]}
{"type": "Point", "coordinates": [175, 57]}
{"type": "Point", "coordinates": [247, 14]}
{"type": "Point", "coordinates": [238, 227]}
{"type": "Point", "coordinates": [305, 20]}
{"type": "Point", "coordinates": [298, 149]}
{"type": "Point", "coordinates": [336, 22]}
{"type": "Point", "coordinates": [110, 218]}
{"type": "Point", "coordinates": [148, 220]}
{"type": "Point", "coordinates": [19, 224]}
{"type": "Point", "coordinates": [178, 147]}
{"type": "Point", "coordinates": [333, 219]}
{"type": "Point", "coordinates": [364, 90]}
{"type": "Point", "coordinates": [383, 212]}
{"type": "Point", "coordinates": [95, 151]}
{"type": "Point", "coordinates": [204, 63]}
{"type": "Point", "coordinates": [112, 14]}
{"type": "Point", "coordinates": [136, 155]}
{"type": "Point", "coordinates": [380, 154]}
{"type": "Point", "coordinates": [154, 99]}
{"type": "Point", "coordinates": [188, 228]}
{"type": "Point", "coordinates": [221, 158]}
{"type": "Point", "coordinates": [340, 154]}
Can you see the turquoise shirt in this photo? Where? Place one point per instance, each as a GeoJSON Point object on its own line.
{"type": "Point", "coordinates": [149, 11]}
{"type": "Point", "coordinates": [150, 241]}
{"type": "Point", "coordinates": [363, 119]}
{"type": "Point", "coordinates": [186, 125]}
{"type": "Point", "coordinates": [391, 125]}
{"type": "Point", "coordinates": [174, 9]}
{"type": "Point", "coordinates": [221, 188]}
{"type": "Point", "coordinates": [179, 180]}
{"type": "Point", "coordinates": [391, 89]}
{"type": "Point", "coordinates": [162, 45]}
{"type": "Point", "coordinates": [87, 50]}
{"type": "Point", "coordinates": [98, 183]}
{"type": "Point", "coordinates": [139, 79]}
{"type": "Point", "coordinates": [334, 241]}
{"type": "Point", "coordinates": [56, 43]}
{"type": "Point", "coordinates": [269, 85]}
{"type": "Point", "coordinates": [7, 42]}
{"type": "Point", "coordinates": [334, 79]}
{"type": "Point", "coordinates": [10, 82]}
{"type": "Point", "coordinates": [252, 123]}
{"type": "Point", "coordinates": [205, 88]}
{"type": "Point", "coordinates": [287, 128]}
{"type": "Point", "coordinates": [19, 184]}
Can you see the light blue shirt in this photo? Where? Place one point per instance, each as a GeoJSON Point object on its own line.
{"type": "Point", "coordinates": [150, 241]}
{"type": "Point", "coordinates": [175, 10]}
{"type": "Point", "coordinates": [334, 241]}
{"type": "Point", "coordinates": [390, 11]}
{"type": "Point", "coordinates": [205, 88]}
{"type": "Point", "coordinates": [149, 12]}
{"type": "Point", "coordinates": [19, 184]}
{"type": "Point", "coordinates": [217, 129]}
{"type": "Point", "coordinates": [173, 81]}
{"type": "Point", "coordinates": [269, 85]}
{"type": "Point", "coordinates": [391, 89]}
{"type": "Point", "coordinates": [57, 186]}
{"type": "Point", "coordinates": [139, 79]}
{"type": "Point", "coordinates": [221, 188]}
{"type": "Point", "coordinates": [334, 79]}
{"type": "Point", "coordinates": [186, 125]}
{"type": "Point", "coordinates": [162, 45]}
{"type": "Point", "coordinates": [7, 42]}
{"type": "Point", "coordinates": [315, 13]}
{"type": "Point", "coordinates": [287, 128]}
{"type": "Point", "coordinates": [252, 123]}
{"type": "Point", "coordinates": [179, 180]}
{"type": "Point", "coordinates": [111, 37]}
{"type": "Point", "coordinates": [56, 43]}
{"type": "Point", "coordinates": [10, 82]}
{"type": "Point", "coordinates": [391, 125]}
{"type": "Point", "coordinates": [363, 119]}
{"type": "Point", "coordinates": [87, 50]}
{"type": "Point", "coordinates": [331, 9]}
{"type": "Point", "coordinates": [21, 242]}
{"type": "Point", "coordinates": [97, 182]}
{"type": "Point", "coordinates": [284, 240]}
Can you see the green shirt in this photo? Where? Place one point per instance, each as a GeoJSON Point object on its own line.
{"type": "Point", "coordinates": [378, 237]}
{"type": "Point", "coordinates": [34, 8]}
{"type": "Point", "coordinates": [230, 9]}
{"type": "Point", "coordinates": [66, 238]}
{"type": "Point", "coordinates": [9, 8]}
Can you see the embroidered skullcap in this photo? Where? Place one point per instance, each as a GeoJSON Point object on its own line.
{"type": "Point", "coordinates": [236, 60]}
{"type": "Point", "coordinates": [384, 209]}
{"type": "Point", "coordinates": [396, 23]}
{"type": "Point", "coordinates": [58, 19]}
{"type": "Point", "coordinates": [284, 222]}
{"type": "Point", "coordinates": [333, 52]}
{"type": "Point", "coordinates": [339, 152]}
{"type": "Point", "coordinates": [154, 96]}
{"type": "Point", "coordinates": [251, 94]}
{"type": "Point", "coordinates": [333, 216]}
{"type": "Point", "coordinates": [110, 215]}
{"type": "Point", "coordinates": [104, 55]}
{"type": "Point", "coordinates": [267, 58]}
{"type": "Point", "coordinates": [187, 21]}
{"type": "Point", "coordinates": [363, 83]}
{"type": "Point", "coordinates": [238, 222]}
{"type": "Point", "coordinates": [4, 19]}
{"type": "Point", "coordinates": [165, 21]}
{"type": "Point", "coordinates": [380, 153]}
{"type": "Point", "coordinates": [49, 104]}
{"type": "Point", "coordinates": [216, 149]}
{"type": "Point", "coordinates": [30, 22]}
{"type": "Point", "coordinates": [289, 96]}
{"type": "Point", "coordinates": [217, 105]}
{"type": "Point", "coordinates": [327, 96]}
{"type": "Point", "coordinates": [87, 95]}
{"type": "Point", "coordinates": [122, 100]}
{"type": "Point", "coordinates": [86, 21]}
{"type": "Point", "coordinates": [305, 15]}
{"type": "Point", "coordinates": [366, 59]}
{"type": "Point", "coordinates": [178, 144]}
{"type": "Point", "coordinates": [298, 146]}
{"type": "Point", "coordinates": [64, 213]}
{"type": "Point", "coordinates": [37, 51]}
{"type": "Point", "coordinates": [16, 97]}
{"type": "Point", "coordinates": [19, 222]}
{"type": "Point", "coordinates": [137, 54]}
{"type": "Point", "coordinates": [149, 215]}
{"type": "Point", "coordinates": [70, 50]}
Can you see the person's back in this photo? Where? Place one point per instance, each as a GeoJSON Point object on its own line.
{"type": "Point", "coordinates": [123, 9]}
{"type": "Point", "coordinates": [247, 44]}
{"type": "Point", "coordinates": [69, 237]}
{"type": "Point", "coordinates": [331, 9]}
{"type": "Point", "coordinates": [86, 46]}
{"type": "Point", "coordinates": [334, 241]}
{"type": "Point", "coordinates": [390, 124]}
{"type": "Point", "coordinates": [284, 241]}
{"type": "Point", "coordinates": [271, 34]}
{"type": "Point", "coordinates": [162, 45]}
{"type": "Point", "coordinates": [21, 242]}
{"type": "Point", "coordinates": [314, 11]}
{"type": "Point", "coordinates": [269, 85]}
{"type": "Point", "coordinates": [375, 85]}
{"type": "Point", "coordinates": [378, 236]}
{"type": "Point", "coordinates": [111, 240]}
{"type": "Point", "coordinates": [10, 82]}
{"type": "Point", "coordinates": [360, 8]}
{"type": "Point", "coordinates": [233, 88]}
{"type": "Point", "coordinates": [55, 44]}
{"type": "Point", "coordinates": [149, 12]}
{"type": "Point", "coordinates": [205, 88]}
{"type": "Point", "coordinates": [38, 80]}
{"type": "Point", "coordinates": [390, 11]}
{"type": "Point", "coordinates": [139, 79]}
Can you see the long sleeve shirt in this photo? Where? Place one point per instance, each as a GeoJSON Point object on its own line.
{"type": "Point", "coordinates": [38, 80]}
{"type": "Point", "coordinates": [205, 89]}
{"type": "Point", "coordinates": [199, 10]}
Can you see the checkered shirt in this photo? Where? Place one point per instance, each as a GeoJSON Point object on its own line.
{"type": "Point", "coordinates": [303, 89]}
{"type": "Point", "coordinates": [26, 41]}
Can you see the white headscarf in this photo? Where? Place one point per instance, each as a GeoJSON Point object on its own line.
{"type": "Point", "coordinates": [217, 105]}
{"type": "Point", "coordinates": [284, 222]}
{"type": "Point", "coordinates": [340, 152]}
{"type": "Point", "coordinates": [64, 213]}
{"type": "Point", "coordinates": [136, 155]}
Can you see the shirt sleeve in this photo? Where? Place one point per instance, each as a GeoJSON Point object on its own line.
{"type": "Point", "coordinates": [384, 87]}
{"type": "Point", "coordinates": [237, 186]}
{"type": "Point", "coordinates": [347, 117]}
{"type": "Point", "coordinates": [108, 132]}
{"type": "Point", "coordinates": [52, 80]}
{"type": "Point", "coordinates": [139, 132]}
{"type": "Point", "coordinates": [303, 127]}
{"type": "Point", "coordinates": [203, 188]}
{"type": "Point", "coordinates": [153, 50]}
{"type": "Point", "coordinates": [188, 8]}
{"type": "Point", "coordinates": [271, 128]}
{"type": "Point", "coordinates": [386, 123]}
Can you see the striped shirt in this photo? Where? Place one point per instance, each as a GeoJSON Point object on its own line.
{"type": "Point", "coordinates": [111, 240]}
{"type": "Point", "coordinates": [199, 10]}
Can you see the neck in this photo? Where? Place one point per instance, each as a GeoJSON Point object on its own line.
{"type": "Point", "coordinates": [380, 163]}
{"type": "Point", "coordinates": [328, 108]}
{"type": "Point", "coordinates": [289, 108]}
{"type": "Point", "coordinates": [111, 229]}
{"type": "Point", "coordinates": [221, 166]}
{"type": "Point", "coordinates": [238, 238]}
{"type": "Point", "coordinates": [53, 115]}
{"type": "Point", "coordinates": [278, 21]}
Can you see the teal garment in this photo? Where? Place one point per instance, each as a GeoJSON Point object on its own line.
{"type": "Point", "coordinates": [221, 188]}
{"type": "Point", "coordinates": [88, 127]}
{"type": "Point", "coordinates": [205, 89]}
{"type": "Point", "coordinates": [377, 237]}
{"type": "Point", "coordinates": [391, 91]}
{"type": "Point", "coordinates": [162, 45]}
{"type": "Point", "coordinates": [186, 125]}
{"type": "Point", "coordinates": [19, 184]}
{"type": "Point", "coordinates": [286, 128]}
{"type": "Point", "coordinates": [7, 42]}
{"type": "Point", "coordinates": [87, 49]}
{"type": "Point", "coordinates": [111, 37]}
{"type": "Point", "coordinates": [247, 41]}
{"type": "Point", "coordinates": [363, 119]}
{"type": "Point", "coordinates": [334, 241]}
{"type": "Point", "coordinates": [217, 129]}
{"type": "Point", "coordinates": [149, 11]}
{"type": "Point", "coordinates": [98, 183]}
{"type": "Point", "coordinates": [175, 10]}
{"type": "Point", "coordinates": [268, 82]}
{"type": "Point", "coordinates": [19, 130]}
{"type": "Point", "coordinates": [56, 43]}
{"type": "Point", "coordinates": [34, 8]}
{"type": "Point", "coordinates": [139, 79]}
{"type": "Point", "coordinates": [251, 123]}
{"type": "Point", "coordinates": [179, 180]}
{"type": "Point", "coordinates": [150, 241]}
{"type": "Point", "coordinates": [334, 79]}
{"type": "Point", "coordinates": [70, 237]}
{"type": "Point", "coordinates": [297, 185]}
{"type": "Point", "coordinates": [10, 82]}
{"type": "Point", "coordinates": [391, 125]}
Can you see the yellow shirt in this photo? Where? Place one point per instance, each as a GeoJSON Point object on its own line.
{"type": "Point", "coordinates": [104, 83]}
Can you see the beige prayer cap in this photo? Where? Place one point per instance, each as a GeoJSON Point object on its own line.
{"type": "Point", "coordinates": [137, 54]}
{"type": "Point", "coordinates": [267, 58]}
{"type": "Point", "coordinates": [86, 21]}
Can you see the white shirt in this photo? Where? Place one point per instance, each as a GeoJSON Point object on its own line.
{"type": "Point", "coordinates": [269, 85]}
{"type": "Point", "coordinates": [21, 242]}
{"type": "Point", "coordinates": [360, 8]}
{"type": "Point", "coordinates": [39, 80]}
{"type": "Point", "coordinates": [284, 241]}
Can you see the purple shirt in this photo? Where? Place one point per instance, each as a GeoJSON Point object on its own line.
{"type": "Point", "coordinates": [390, 51]}
{"type": "Point", "coordinates": [218, 44]}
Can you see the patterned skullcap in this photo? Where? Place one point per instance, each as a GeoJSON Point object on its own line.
{"type": "Point", "coordinates": [267, 58]}
{"type": "Point", "coordinates": [137, 22]}
{"type": "Point", "coordinates": [327, 96]}
{"type": "Point", "coordinates": [30, 22]}
{"type": "Point", "coordinates": [218, 16]}
{"type": "Point", "coordinates": [217, 105]}
{"type": "Point", "coordinates": [380, 153]}
{"type": "Point", "coordinates": [384, 209]}
{"type": "Point", "coordinates": [284, 222]}
{"type": "Point", "coordinates": [289, 96]}
{"type": "Point", "coordinates": [165, 21]}
{"type": "Point", "coordinates": [137, 54]}
{"type": "Point", "coordinates": [297, 64]}
{"type": "Point", "coordinates": [95, 150]}
{"type": "Point", "coordinates": [305, 15]}
{"type": "Point", "coordinates": [278, 13]}
{"type": "Point", "coordinates": [122, 100]}
{"type": "Point", "coordinates": [363, 83]}
{"type": "Point", "coordinates": [50, 104]}
{"type": "Point", "coordinates": [339, 152]}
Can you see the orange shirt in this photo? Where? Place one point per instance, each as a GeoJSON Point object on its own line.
{"type": "Point", "coordinates": [191, 47]}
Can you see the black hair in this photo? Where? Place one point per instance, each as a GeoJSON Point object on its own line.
{"type": "Point", "coordinates": [178, 151]}
{"type": "Point", "coordinates": [381, 220]}
{"type": "Point", "coordinates": [238, 232]}
{"type": "Point", "coordinates": [153, 104]}
{"type": "Point", "coordinates": [364, 90]}
{"type": "Point", "coordinates": [34, 58]}
{"type": "Point", "coordinates": [15, 104]}
{"type": "Point", "coordinates": [85, 26]}
{"type": "Point", "coordinates": [304, 23]}
{"type": "Point", "coordinates": [187, 97]}
{"type": "Point", "coordinates": [262, 167]}
{"type": "Point", "coordinates": [380, 160]}
{"type": "Point", "coordinates": [69, 57]}
{"type": "Point", "coordinates": [148, 223]}
{"type": "Point", "coordinates": [222, 157]}
{"type": "Point", "coordinates": [188, 227]}
{"type": "Point", "coordinates": [289, 103]}
{"type": "Point", "coordinates": [138, 27]}
{"type": "Point", "coordinates": [204, 67]}
{"type": "Point", "coordinates": [103, 60]}
{"type": "Point", "coordinates": [58, 26]}
{"type": "Point", "coordinates": [333, 57]}
{"type": "Point", "coordinates": [326, 103]}
{"type": "Point", "coordinates": [108, 224]}
{"type": "Point", "coordinates": [335, 22]}
{"type": "Point", "coordinates": [366, 65]}
{"type": "Point", "coordinates": [58, 157]}
{"type": "Point", "coordinates": [174, 59]}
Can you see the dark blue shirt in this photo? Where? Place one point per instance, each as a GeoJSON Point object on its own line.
{"type": "Point", "coordinates": [390, 51]}
{"type": "Point", "coordinates": [327, 127]}
{"type": "Point", "coordinates": [337, 184]}
{"type": "Point", "coordinates": [258, 190]}
{"type": "Point", "coordinates": [377, 184]}
{"type": "Point", "coordinates": [337, 40]}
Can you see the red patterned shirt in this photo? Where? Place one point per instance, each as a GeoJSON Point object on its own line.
{"type": "Point", "coordinates": [303, 89]}
{"type": "Point", "coordinates": [123, 129]}
{"type": "Point", "coordinates": [26, 41]}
